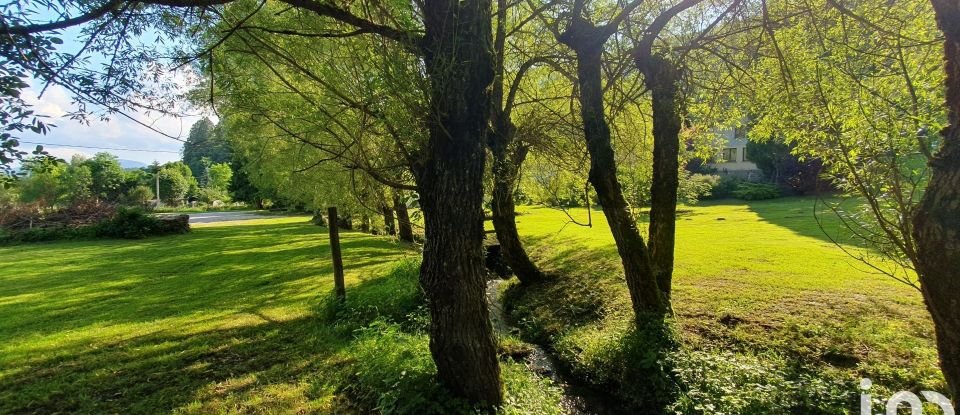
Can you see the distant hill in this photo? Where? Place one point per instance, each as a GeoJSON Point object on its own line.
{"type": "Point", "coordinates": [130, 164]}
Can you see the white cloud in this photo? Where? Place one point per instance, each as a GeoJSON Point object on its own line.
{"type": "Point", "coordinates": [66, 153]}
{"type": "Point", "coordinates": [118, 132]}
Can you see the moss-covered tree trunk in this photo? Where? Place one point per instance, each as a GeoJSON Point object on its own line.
{"type": "Point", "coordinates": [661, 77]}
{"type": "Point", "coordinates": [389, 225]}
{"type": "Point", "coordinates": [507, 158]}
{"type": "Point", "coordinates": [365, 223]}
{"type": "Point", "coordinates": [937, 222]}
{"type": "Point", "coordinates": [587, 42]}
{"type": "Point", "coordinates": [459, 65]}
{"type": "Point", "coordinates": [404, 229]}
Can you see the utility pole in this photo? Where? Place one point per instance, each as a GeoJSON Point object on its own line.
{"type": "Point", "coordinates": [158, 187]}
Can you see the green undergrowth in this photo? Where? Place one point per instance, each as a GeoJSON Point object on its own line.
{"type": "Point", "coordinates": [779, 322]}
{"type": "Point", "coordinates": [388, 368]}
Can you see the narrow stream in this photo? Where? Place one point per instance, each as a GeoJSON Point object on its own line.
{"type": "Point", "coordinates": [578, 399]}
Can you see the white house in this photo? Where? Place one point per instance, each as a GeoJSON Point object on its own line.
{"type": "Point", "coordinates": [733, 160]}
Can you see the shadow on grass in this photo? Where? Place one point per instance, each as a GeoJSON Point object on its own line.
{"type": "Point", "coordinates": [223, 316]}
{"type": "Point", "coordinates": [163, 371]}
{"type": "Point", "coordinates": [809, 332]}
{"type": "Point", "coordinates": [212, 269]}
{"type": "Point", "coordinates": [798, 215]}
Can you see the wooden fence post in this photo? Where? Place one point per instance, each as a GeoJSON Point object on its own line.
{"type": "Point", "coordinates": [339, 289]}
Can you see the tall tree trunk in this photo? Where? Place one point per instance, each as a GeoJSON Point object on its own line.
{"type": "Point", "coordinates": [505, 169]}
{"type": "Point", "coordinates": [365, 223]}
{"type": "Point", "coordinates": [937, 221]}
{"type": "Point", "coordinates": [404, 230]}
{"type": "Point", "coordinates": [389, 226]}
{"type": "Point", "coordinates": [661, 77]}
{"type": "Point", "coordinates": [587, 41]}
{"type": "Point", "coordinates": [508, 156]}
{"type": "Point", "coordinates": [459, 65]}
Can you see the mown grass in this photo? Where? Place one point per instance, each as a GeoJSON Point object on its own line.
{"type": "Point", "coordinates": [771, 316]}
{"type": "Point", "coordinates": [236, 318]}
{"type": "Point", "coordinates": [231, 318]}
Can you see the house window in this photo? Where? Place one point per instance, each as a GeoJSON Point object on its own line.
{"type": "Point", "coordinates": [730, 155]}
{"type": "Point", "coordinates": [745, 155]}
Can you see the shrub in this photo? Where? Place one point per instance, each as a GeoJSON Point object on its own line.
{"type": "Point", "coordinates": [135, 224]}
{"type": "Point", "coordinates": [46, 234]}
{"type": "Point", "coordinates": [724, 187]}
{"type": "Point", "coordinates": [210, 195]}
{"type": "Point", "coordinates": [733, 187]}
{"type": "Point", "coordinates": [756, 191]}
{"type": "Point", "coordinates": [697, 186]}
{"type": "Point", "coordinates": [139, 196]}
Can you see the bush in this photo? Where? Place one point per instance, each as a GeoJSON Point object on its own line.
{"type": "Point", "coordinates": [756, 191]}
{"type": "Point", "coordinates": [732, 187]}
{"type": "Point", "coordinates": [46, 234]}
{"type": "Point", "coordinates": [135, 224]}
{"type": "Point", "coordinates": [139, 196]}
{"type": "Point", "coordinates": [210, 195]}
{"type": "Point", "coordinates": [724, 187]}
{"type": "Point", "coordinates": [697, 186]}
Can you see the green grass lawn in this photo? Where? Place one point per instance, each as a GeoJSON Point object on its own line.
{"type": "Point", "coordinates": [235, 318]}
{"type": "Point", "coordinates": [756, 282]}
{"type": "Point", "coordinates": [219, 318]}
{"type": "Point", "coordinates": [230, 318]}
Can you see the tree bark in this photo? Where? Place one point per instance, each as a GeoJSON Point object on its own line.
{"type": "Point", "coordinates": [404, 230]}
{"type": "Point", "coordinates": [503, 207]}
{"type": "Point", "coordinates": [508, 156]}
{"type": "Point", "coordinates": [587, 42]}
{"type": "Point", "coordinates": [937, 221]}
{"type": "Point", "coordinates": [389, 226]}
{"type": "Point", "coordinates": [661, 77]}
{"type": "Point", "coordinates": [338, 284]}
{"type": "Point", "coordinates": [450, 182]}
{"type": "Point", "coordinates": [365, 223]}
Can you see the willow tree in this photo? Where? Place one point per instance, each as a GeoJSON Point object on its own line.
{"type": "Point", "coordinates": [593, 30]}
{"type": "Point", "coordinates": [937, 221]}
{"type": "Point", "coordinates": [859, 86]}
{"type": "Point", "coordinates": [439, 139]}
{"type": "Point", "coordinates": [452, 42]}
{"type": "Point", "coordinates": [508, 152]}
{"type": "Point", "coordinates": [588, 40]}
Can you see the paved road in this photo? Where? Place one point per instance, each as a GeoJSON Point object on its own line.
{"type": "Point", "coordinates": [210, 217]}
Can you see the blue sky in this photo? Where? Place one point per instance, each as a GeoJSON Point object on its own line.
{"type": "Point", "coordinates": [118, 132]}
